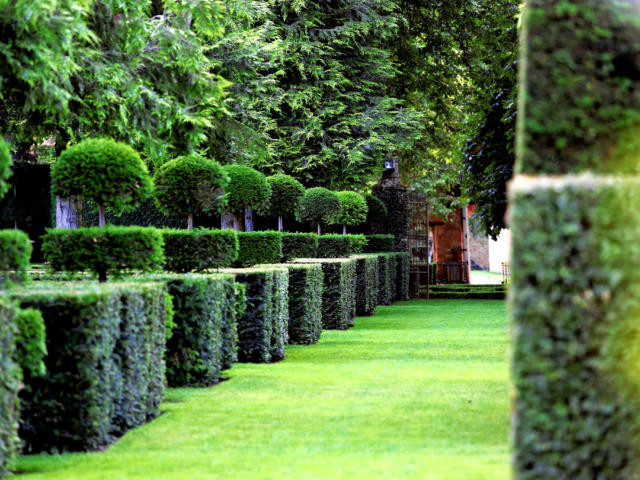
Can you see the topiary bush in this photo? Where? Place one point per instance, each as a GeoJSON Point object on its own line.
{"type": "Point", "coordinates": [199, 250]}
{"type": "Point", "coordinates": [262, 329]}
{"type": "Point", "coordinates": [15, 252]}
{"type": "Point", "coordinates": [189, 185]}
{"type": "Point", "coordinates": [353, 210]}
{"type": "Point", "coordinates": [107, 250]}
{"type": "Point", "coordinates": [104, 171]}
{"type": "Point", "coordinates": [379, 243]}
{"type": "Point", "coordinates": [248, 189]}
{"type": "Point", "coordinates": [334, 246]}
{"type": "Point", "coordinates": [5, 167]}
{"type": "Point", "coordinates": [386, 278]}
{"type": "Point", "coordinates": [9, 387]}
{"type": "Point", "coordinates": [357, 242]}
{"type": "Point", "coordinates": [318, 206]}
{"type": "Point", "coordinates": [286, 193]}
{"type": "Point", "coordinates": [376, 212]}
{"type": "Point", "coordinates": [259, 247]}
{"type": "Point", "coordinates": [104, 363]}
{"type": "Point", "coordinates": [338, 291]}
{"type": "Point", "coordinates": [367, 284]}
{"type": "Point", "coordinates": [30, 341]}
{"type": "Point", "coordinates": [299, 245]}
{"type": "Point", "coordinates": [402, 263]}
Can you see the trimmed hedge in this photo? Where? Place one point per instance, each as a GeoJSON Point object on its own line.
{"type": "Point", "coordinates": [104, 250]}
{"type": "Point", "coordinates": [299, 245]}
{"type": "Point", "coordinates": [259, 247]}
{"type": "Point", "coordinates": [9, 386]}
{"type": "Point", "coordinates": [334, 246]}
{"type": "Point", "coordinates": [366, 284]}
{"type": "Point", "coordinates": [233, 307]}
{"type": "Point", "coordinates": [575, 284]}
{"type": "Point", "coordinates": [262, 329]}
{"type": "Point", "coordinates": [305, 302]}
{"type": "Point", "coordinates": [199, 250]}
{"type": "Point", "coordinates": [339, 291]}
{"type": "Point", "coordinates": [15, 253]}
{"type": "Point", "coordinates": [379, 243]}
{"type": "Point", "coordinates": [386, 278]}
{"type": "Point", "coordinates": [463, 291]}
{"type": "Point", "coordinates": [104, 368]}
{"type": "Point", "coordinates": [401, 288]}
{"type": "Point", "coordinates": [357, 242]}
{"type": "Point", "coordinates": [203, 341]}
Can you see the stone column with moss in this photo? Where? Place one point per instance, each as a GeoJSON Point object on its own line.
{"type": "Point", "coordinates": [575, 220]}
{"type": "Point", "coordinates": [395, 197]}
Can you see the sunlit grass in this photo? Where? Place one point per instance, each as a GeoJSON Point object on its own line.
{"type": "Point", "coordinates": [419, 391]}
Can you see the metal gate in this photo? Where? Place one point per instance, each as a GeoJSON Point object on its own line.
{"type": "Point", "coordinates": [419, 245]}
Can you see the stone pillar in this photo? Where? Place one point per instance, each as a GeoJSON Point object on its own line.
{"type": "Point", "coordinates": [575, 220]}
{"type": "Point", "coordinates": [394, 195]}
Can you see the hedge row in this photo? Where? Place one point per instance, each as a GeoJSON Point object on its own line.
{"type": "Point", "coordinates": [15, 254]}
{"type": "Point", "coordinates": [379, 243]}
{"type": "Point", "coordinates": [204, 339]}
{"type": "Point", "coordinates": [199, 250]}
{"type": "Point", "coordinates": [299, 245]}
{"type": "Point", "coordinates": [487, 292]}
{"type": "Point", "coordinates": [262, 329]}
{"type": "Point", "coordinates": [9, 373]}
{"type": "Point", "coordinates": [305, 302]}
{"type": "Point", "coordinates": [259, 247]}
{"type": "Point", "coordinates": [367, 284]}
{"type": "Point", "coordinates": [401, 291]}
{"type": "Point", "coordinates": [338, 295]}
{"type": "Point", "coordinates": [104, 372]}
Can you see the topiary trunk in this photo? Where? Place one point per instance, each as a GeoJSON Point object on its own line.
{"type": "Point", "coordinates": [101, 218]}
{"type": "Point", "coordinates": [280, 225]}
{"type": "Point", "coordinates": [190, 222]}
{"type": "Point", "coordinates": [69, 212]}
{"type": "Point", "coordinates": [344, 229]}
{"type": "Point", "coordinates": [319, 229]}
{"type": "Point", "coordinates": [227, 221]}
{"type": "Point", "coordinates": [248, 220]}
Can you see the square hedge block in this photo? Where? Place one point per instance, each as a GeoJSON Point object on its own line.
{"type": "Point", "coordinates": [366, 284]}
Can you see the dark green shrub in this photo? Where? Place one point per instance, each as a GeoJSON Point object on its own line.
{"type": "Point", "coordinates": [376, 212]}
{"type": "Point", "coordinates": [104, 171]}
{"type": "Point", "coordinates": [401, 290]}
{"type": "Point", "coordinates": [299, 245]}
{"type": "Point", "coordinates": [247, 189]}
{"type": "Point", "coordinates": [199, 250]}
{"type": "Point", "coordinates": [338, 291]}
{"type": "Point", "coordinates": [5, 167]}
{"type": "Point", "coordinates": [286, 193]}
{"type": "Point", "coordinates": [379, 243]}
{"type": "Point", "coordinates": [104, 366]}
{"type": "Point", "coordinates": [356, 243]}
{"type": "Point", "coordinates": [15, 252]}
{"type": "Point", "coordinates": [189, 185]}
{"type": "Point", "coordinates": [318, 206]}
{"type": "Point", "coordinates": [463, 291]}
{"type": "Point", "coordinates": [262, 329]}
{"type": "Point", "coordinates": [9, 386]}
{"type": "Point", "coordinates": [259, 247]}
{"type": "Point", "coordinates": [104, 250]}
{"type": "Point", "coordinates": [234, 307]}
{"type": "Point", "coordinates": [353, 210]}
{"type": "Point", "coordinates": [334, 246]}
{"type": "Point", "coordinates": [305, 302]}
{"type": "Point", "coordinates": [386, 278]}
{"type": "Point", "coordinates": [30, 341]}
{"type": "Point", "coordinates": [366, 284]}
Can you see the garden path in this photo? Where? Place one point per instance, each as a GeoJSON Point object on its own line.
{"type": "Point", "coordinates": [418, 391]}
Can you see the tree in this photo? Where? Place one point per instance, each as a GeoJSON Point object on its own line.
{"type": "Point", "coordinates": [318, 205]}
{"type": "Point", "coordinates": [353, 210]}
{"type": "Point", "coordinates": [104, 171]}
{"type": "Point", "coordinates": [286, 193]}
{"type": "Point", "coordinates": [248, 191]}
{"type": "Point", "coordinates": [5, 167]}
{"type": "Point", "coordinates": [190, 184]}
{"type": "Point", "coordinates": [376, 211]}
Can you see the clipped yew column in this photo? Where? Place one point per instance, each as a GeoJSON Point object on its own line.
{"type": "Point", "coordinates": [575, 220]}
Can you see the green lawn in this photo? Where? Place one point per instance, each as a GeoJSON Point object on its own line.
{"type": "Point", "coordinates": [418, 391]}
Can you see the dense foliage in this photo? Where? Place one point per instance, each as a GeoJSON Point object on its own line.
{"type": "Point", "coordinates": [376, 211]}
{"type": "Point", "coordinates": [247, 189]}
{"type": "Point", "coordinates": [15, 254]}
{"type": "Point", "coordinates": [9, 388]}
{"type": "Point", "coordinates": [104, 171]}
{"type": "Point", "coordinates": [299, 245]}
{"type": "Point", "coordinates": [189, 185]}
{"type": "Point", "coordinates": [5, 167]}
{"type": "Point", "coordinates": [318, 205]}
{"type": "Point", "coordinates": [259, 247]}
{"type": "Point", "coordinates": [286, 193]}
{"type": "Point", "coordinates": [199, 250]}
{"type": "Point", "coordinates": [353, 210]}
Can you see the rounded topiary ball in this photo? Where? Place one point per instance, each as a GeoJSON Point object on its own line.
{"type": "Point", "coordinates": [353, 209]}
{"type": "Point", "coordinates": [107, 172]}
{"type": "Point", "coordinates": [318, 205]}
{"type": "Point", "coordinates": [190, 184]}
{"type": "Point", "coordinates": [286, 192]}
{"type": "Point", "coordinates": [5, 167]}
{"type": "Point", "coordinates": [248, 188]}
{"type": "Point", "coordinates": [376, 209]}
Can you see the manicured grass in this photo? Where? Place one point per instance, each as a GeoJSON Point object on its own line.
{"type": "Point", "coordinates": [418, 391]}
{"type": "Point", "coordinates": [483, 277]}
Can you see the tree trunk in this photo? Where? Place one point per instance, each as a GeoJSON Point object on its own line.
{"type": "Point", "coordinates": [319, 230]}
{"type": "Point", "coordinates": [69, 212]}
{"type": "Point", "coordinates": [344, 229]}
{"type": "Point", "coordinates": [248, 220]}
{"type": "Point", "coordinates": [101, 220]}
{"type": "Point", "coordinates": [190, 221]}
{"type": "Point", "coordinates": [237, 225]}
{"type": "Point", "coordinates": [227, 220]}
{"type": "Point", "coordinates": [280, 226]}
